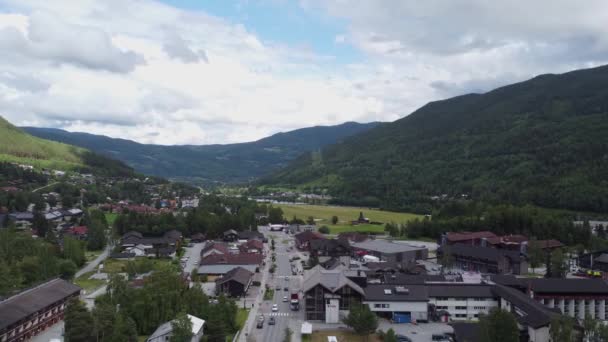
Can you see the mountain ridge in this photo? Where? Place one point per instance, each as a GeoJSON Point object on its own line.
{"type": "Point", "coordinates": [218, 163]}
{"type": "Point", "coordinates": [540, 141]}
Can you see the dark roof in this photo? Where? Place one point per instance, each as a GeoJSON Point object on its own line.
{"type": "Point", "coordinates": [22, 216]}
{"type": "Point", "coordinates": [230, 232]}
{"type": "Point", "coordinates": [530, 311]}
{"type": "Point", "coordinates": [570, 286]}
{"type": "Point", "coordinates": [410, 279]}
{"type": "Point", "coordinates": [134, 240]}
{"type": "Point", "coordinates": [460, 290]}
{"type": "Point", "coordinates": [21, 305]}
{"type": "Point", "coordinates": [163, 251]}
{"type": "Point", "coordinates": [549, 244]}
{"type": "Point", "coordinates": [329, 245]}
{"type": "Point", "coordinates": [482, 253]}
{"type": "Point", "coordinates": [462, 236]}
{"type": "Point", "coordinates": [233, 259]}
{"type": "Point", "coordinates": [507, 280]}
{"type": "Point", "coordinates": [173, 235]}
{"type": "Point", "coordinates": [409, 293]}
{"type": "Point", "coordinates": [198, 236]}
{"type": "Point", "coordinates": [353, 236]}
{"type": "Point", "coordinates": [466, 332]}
{"type": "Point", "coordinates": [248, 235]}
{"type": "Point", "coordinates": [309, 236]}
{"type": "Point", "coordinates": [237, 274]}
{"type": "Point", "coordinates": [132, 233]}
{"type": "Point", "coordinates": [603, 258]}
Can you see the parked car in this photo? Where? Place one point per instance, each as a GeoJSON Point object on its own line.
{"type": "Point", "coordinates": [403, 338]}
{"type": "Point", "coordinates": [286, 289]}
{"type": "Point", "coordinates": [275, 308]}
{"type": "Point", "coordinates": [285, 299]}
{"type": "Point", "coordinates": [271, 321]}
{"type": "Point", "coordinates": [440, 338]}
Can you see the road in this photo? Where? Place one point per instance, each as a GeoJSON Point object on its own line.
{"type": "Point", "coordinates": [46, 186]}
{"type": "Point", "coordinates": [193, 254]}
{"type": "Point", "coordinates": [282, 279]}
{"type": "Point", "coordinates": [93, 264]}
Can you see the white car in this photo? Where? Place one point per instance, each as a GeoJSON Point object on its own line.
{"type": "Point", "coordinates": [285, 299]}
{"type": "Point", "coordinates": [275, 308]}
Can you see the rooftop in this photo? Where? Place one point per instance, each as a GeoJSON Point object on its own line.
{"type": "Point", "coordinates": [332, 280]}
{"type": "Point", "coordinates": [396, 293]}
{"type": "Point", "coordinates": [386, 247]}
{"type": "Point", "coordinates": [238, 274]}
{"type": "Point", "coordinates": [21, 305]}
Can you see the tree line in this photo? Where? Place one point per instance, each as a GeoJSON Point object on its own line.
{"type": "Point", "coordinates": [164, 297]}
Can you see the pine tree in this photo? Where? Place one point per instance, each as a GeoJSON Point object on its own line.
{"type": "Point", "coordinates": [78, 323]}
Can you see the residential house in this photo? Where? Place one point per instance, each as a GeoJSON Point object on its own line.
{"type": "Point", "coordinates": [485, 259]}
{"type": "Point", "coordinates": [32, 311]}
{"type": "Point", "coordinates": [164, 332]}
{"type": "Point", "coordinates": [235, 282]}
{"type": "Point", "coordinates": [231, 235]}
{"type": "Point", "coordinates": [220, 264]}
{"type": "Point", "coordinates": [198, 238]}
{"type": "Point", "coordinates": [252, 246]}
{"type": "Point", "coordinates": [214, 247]}
{"type": "Point", "coordinates": [390, 251]}
{"type": "Point", "coordinates": [303, 239]}
{"type": "Point", "coordinates": [250, 235]}
{"type": "Point", "coordinates": [77, 232]}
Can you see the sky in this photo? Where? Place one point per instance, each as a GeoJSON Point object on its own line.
{"type": "Point", "coordinates": [220, 71]}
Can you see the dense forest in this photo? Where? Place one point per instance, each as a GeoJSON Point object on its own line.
{"type": "Point", "coordinates": [541, 142]}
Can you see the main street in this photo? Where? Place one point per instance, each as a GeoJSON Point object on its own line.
{"type": "Point", "coordinates": [279, 281]}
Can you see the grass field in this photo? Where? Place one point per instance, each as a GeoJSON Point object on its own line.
{"type": "Point", "coordinates": [323, 214]}
{"type": "Point", "coordinates": [111, 217]}
{"type": "Point", "coordinates": [120, 266]}
{"type": "Point", "coordinates": [88, 284]}
{"type": "Point", "coordinates": [241, 317]}
{"type": "Point", "coordinates": [18, 146]}
{"type": "Point", "coordinates": [342, 336]}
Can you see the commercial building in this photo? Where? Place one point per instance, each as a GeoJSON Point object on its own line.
{"type": "Point", "coordinates": [234, 283]}
{"type": "Point", "coordinates": [485, 259]}
{"type": "Point", "coordinates": [390, 251]}
{"type": "Point", "coordinates": [32, 311]}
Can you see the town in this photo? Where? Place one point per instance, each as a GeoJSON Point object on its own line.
{"type": "Point", "coordinates": [232, 268]}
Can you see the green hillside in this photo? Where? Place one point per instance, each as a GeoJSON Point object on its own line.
{"type": "Point", "coordinates": [543, 141]}
{"type": "Point", "coordinates": [208, 164]}
{"type": "Point", "coordinates": [20, 147]}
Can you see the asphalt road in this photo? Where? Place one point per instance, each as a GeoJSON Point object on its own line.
{"type": "Point", "coordinates": [194, 255]}
{"type": "Point", "coordinates": [93, 264]}
{"type": "Point", "coordinates": [282, 279]}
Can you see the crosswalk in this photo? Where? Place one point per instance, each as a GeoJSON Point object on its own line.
{"type": "Point", "coordinates": [281, 314]}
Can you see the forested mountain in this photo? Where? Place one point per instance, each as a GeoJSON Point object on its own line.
{"type": "Point", "coordinates": [543, 141]}
{"type": "Point", "coordinates": [210, 163]}
{"type": "Point", "coordinates": [21, 147]}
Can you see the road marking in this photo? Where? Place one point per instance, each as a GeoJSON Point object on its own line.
{"type": "Point", "coordinates": [281, 314]}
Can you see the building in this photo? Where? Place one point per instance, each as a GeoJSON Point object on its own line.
{"type": "Point", "coordinates": [234, 283]}
{"type": "Point", "coordinates": [329, 295]}
{"type": "Point", "coordinates": [467, 238]}
{"type": "Point", "coordinates": [461, 301]}
{"type": "Point", "coordinates": [330, 247]}
{"type": "Point", "coordinates": [353, 237]}
{"type": "Point", "coordinates": [221, 264]}
{"type": "Point", "coordinates": [303, 239]}
{"type": "Point", "coordinates": [594, 261]}
{"type": "Point", "coordinates": [577, 298]}
{"type": "Point", "coordinates": [247, 235]}
{"type": "Point", "coordinates": [164, 332]}
{"type": "Point", "coordinates": [198, 238]}
{"type": "Point", "coordinates": [399, 303]}
{"type": "Point", "coordinates": [231, 235]}
{"type": "Point", "coordinates": [485, 259]}
{"type": "Point", "coordinates": [252, 246]}
{"type": "Point", "coordinates": [32, 311]}
{"type": "Point", "coordinates": [390, 251]}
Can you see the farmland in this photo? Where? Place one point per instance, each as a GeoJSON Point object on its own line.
{"type": "Point", "coordinates": [324, 214]}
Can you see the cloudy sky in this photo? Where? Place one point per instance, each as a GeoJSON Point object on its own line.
{"type": "Point", "coordinates": [221, 71]}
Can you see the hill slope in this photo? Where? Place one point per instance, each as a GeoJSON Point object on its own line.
{"type": "Point", "coordinates": [209, 163]}
{"type": "Point", "coordinates": [21, 147]}
{"type": "Point", "coordinates": [543, 141]}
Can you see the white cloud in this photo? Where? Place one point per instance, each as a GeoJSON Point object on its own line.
{"type": "Point", "coordinates": [146, 71]}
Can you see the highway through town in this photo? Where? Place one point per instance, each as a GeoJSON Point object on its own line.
{"type": "Point", "coordinates": [279, 281]}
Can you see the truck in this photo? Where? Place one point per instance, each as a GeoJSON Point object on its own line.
{"type": "Point", "coordinates": [295, 302]}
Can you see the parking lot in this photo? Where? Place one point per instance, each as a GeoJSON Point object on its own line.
{"type": "Point", "coordinates": [417, 333]}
